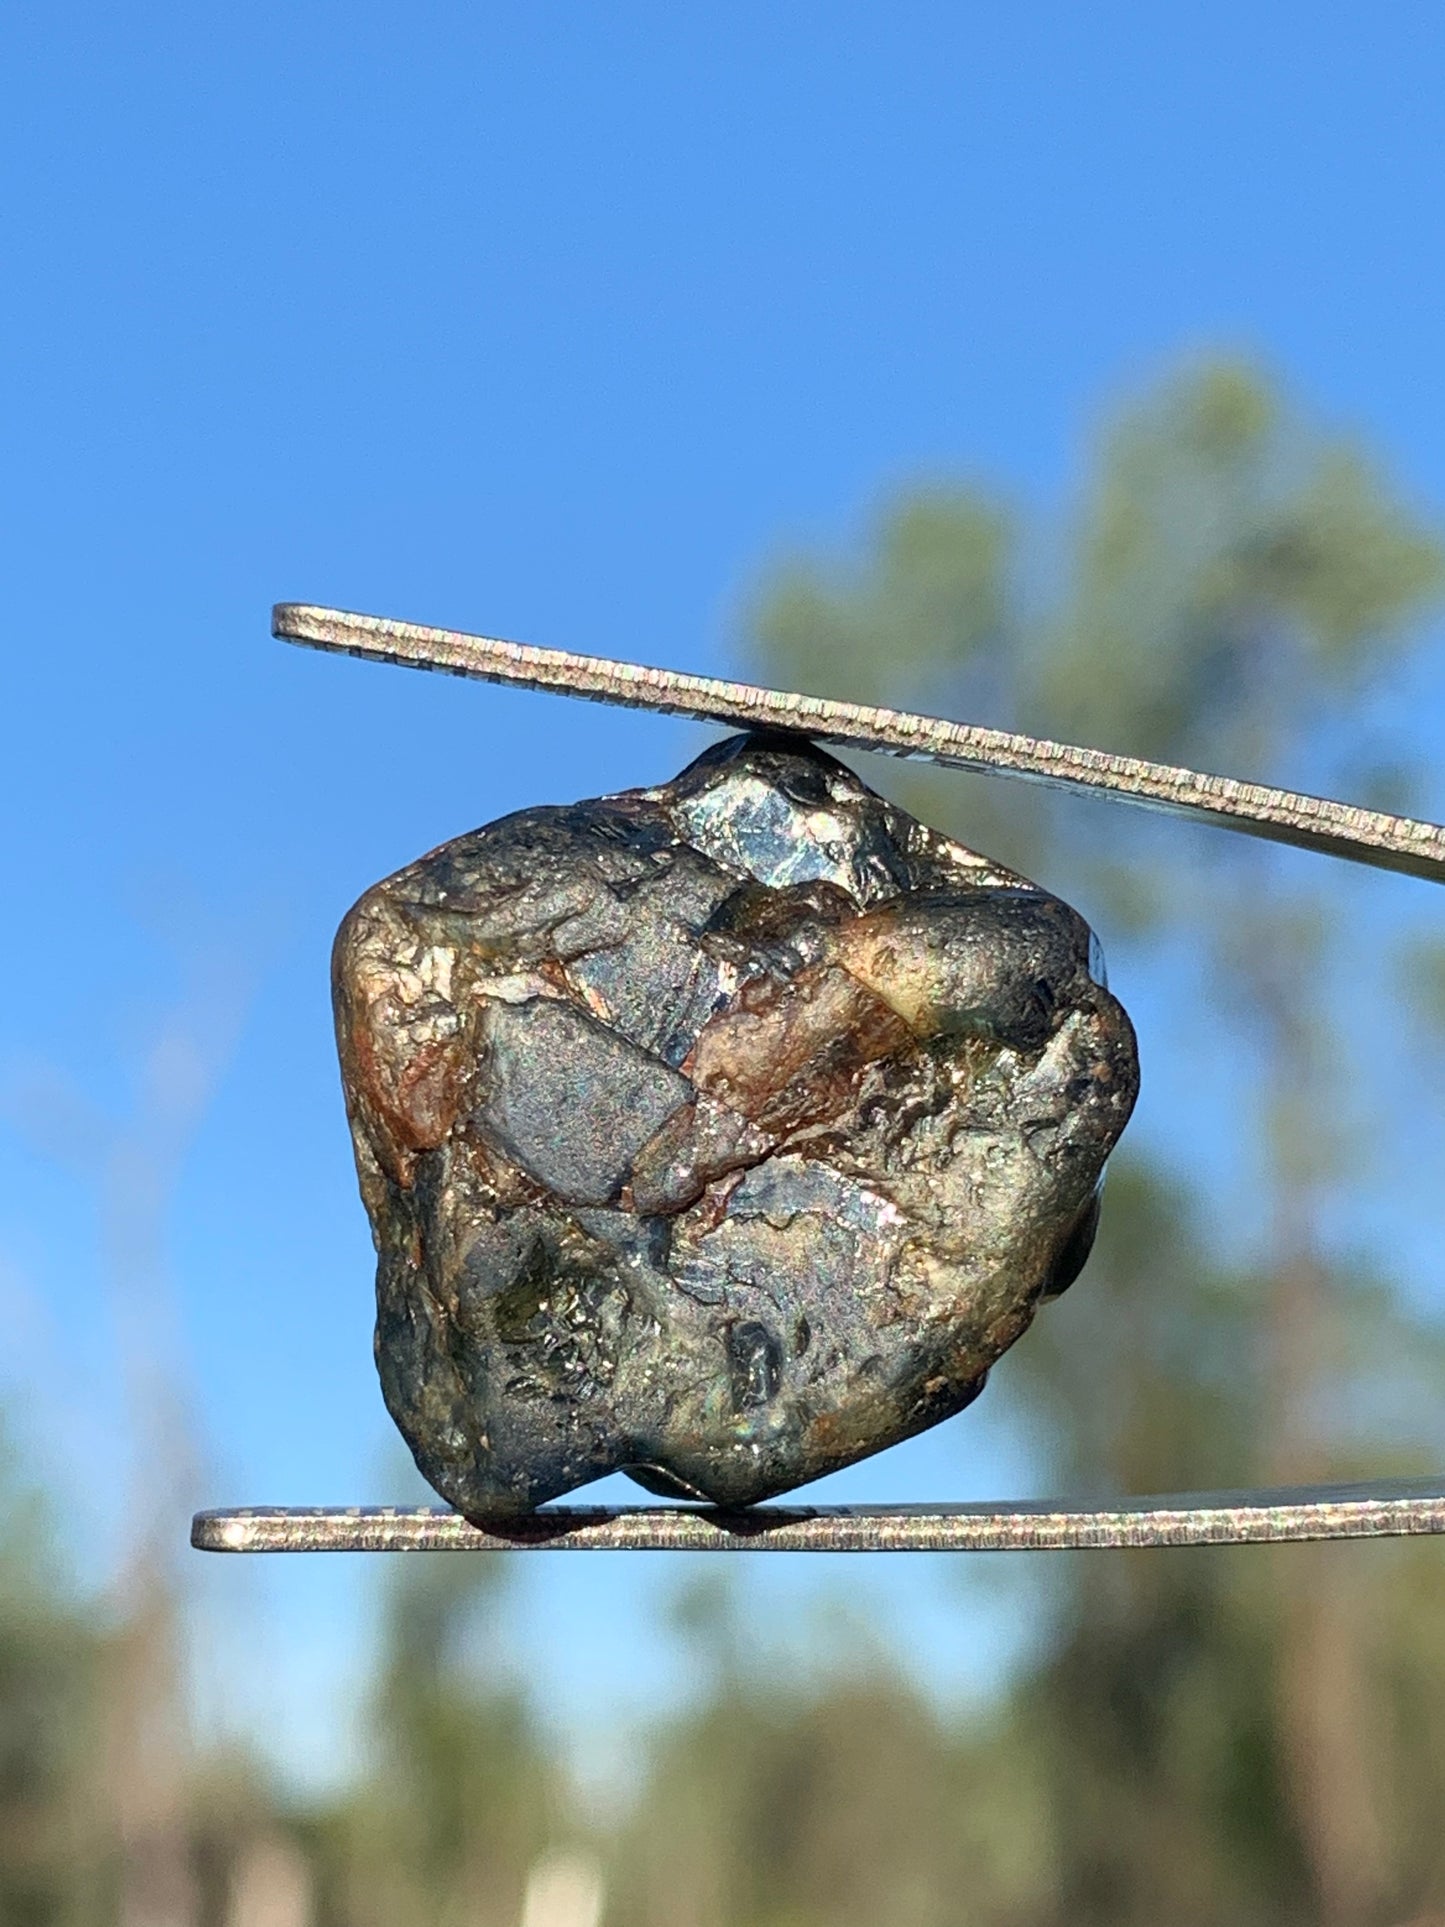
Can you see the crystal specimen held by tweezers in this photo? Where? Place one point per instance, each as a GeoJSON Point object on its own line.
{"type": "Point", "coordinates": [720, 1133]}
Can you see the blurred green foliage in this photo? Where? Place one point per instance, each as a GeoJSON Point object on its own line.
{"type": "Point", "coordinates": [1249, 1737]}
{"type": "Point", "coordinates": [51, 1860]}
{"type": "Point", "coordinates": [460, 1797]}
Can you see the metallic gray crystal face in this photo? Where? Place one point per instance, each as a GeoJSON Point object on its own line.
{"type": "Point", "coordinates": [721, 1133]}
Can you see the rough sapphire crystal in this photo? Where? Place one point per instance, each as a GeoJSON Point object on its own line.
{"type": "Point", "coordinates": [721, 1133]}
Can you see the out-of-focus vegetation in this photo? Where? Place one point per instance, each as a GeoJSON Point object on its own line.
{"type": "Point", "coordinates": [1252, 1737]}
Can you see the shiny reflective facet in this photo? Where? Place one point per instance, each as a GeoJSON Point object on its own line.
{"type": "Point", "coordinates": [722, 1133]}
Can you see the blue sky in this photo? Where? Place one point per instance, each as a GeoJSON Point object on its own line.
{"type": "Point", "coordinates": [553, 321]}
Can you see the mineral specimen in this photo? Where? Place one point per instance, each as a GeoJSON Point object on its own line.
{"type": "Point", "coordinates": [721, 1133]}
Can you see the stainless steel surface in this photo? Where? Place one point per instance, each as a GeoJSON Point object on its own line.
{"type": "Point", "coordinates": [1312, 822]}
{"type": "Point", "coordinates": [1215, 1518]}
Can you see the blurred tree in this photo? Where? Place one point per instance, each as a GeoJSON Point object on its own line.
{"type": "Point", "coordinates": [1218, 1734]}
{"type": "Point", "coordinates": [794, 1794]}
{"type": "Point", "coordinates": [460, 1797]}
{"type": "Point", "coordinates": [51, 1865]}
{"type": "Point", "coordinates": [143, 1762]}
{"type": "Point", "coordinates": [63, 1661]}
{"type": "Point", "coordinates": [1239, 578]}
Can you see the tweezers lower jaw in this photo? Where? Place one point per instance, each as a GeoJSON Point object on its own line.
{"type": "Point", "coordinates": [1393, 1509]}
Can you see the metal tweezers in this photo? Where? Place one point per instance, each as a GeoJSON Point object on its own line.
{"type": "Point", "coordinates": [1379, 1510]}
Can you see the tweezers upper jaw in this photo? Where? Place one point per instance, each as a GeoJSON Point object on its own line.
{"type": "Point", "coordinates": [1253, 809]}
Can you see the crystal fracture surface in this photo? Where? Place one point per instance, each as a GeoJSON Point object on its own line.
{"type": "Point", "coordinates": [721, 1133]}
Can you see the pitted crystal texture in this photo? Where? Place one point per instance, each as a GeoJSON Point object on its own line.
{"type": "Point", "coordinates": [721, 1133]}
